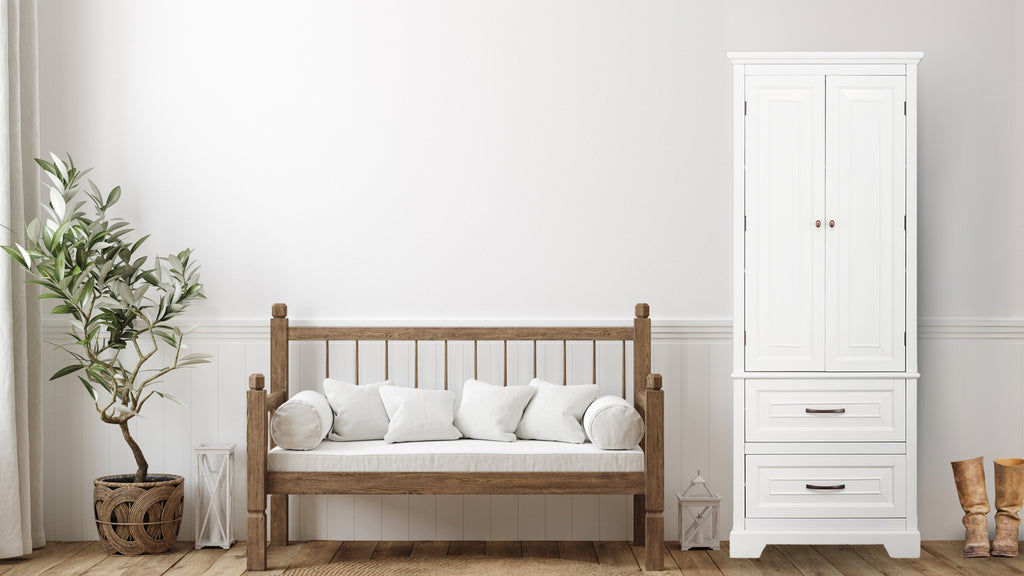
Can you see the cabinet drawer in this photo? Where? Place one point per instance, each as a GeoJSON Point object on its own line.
{"type": "Point", "coordinates": [826, 410]}
{"type": "Point", "coordinates": [852, 486]}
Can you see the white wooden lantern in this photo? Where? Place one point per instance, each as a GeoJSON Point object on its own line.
{"type": "Point", "coordinates": [698, 516]}
{"type": "Point", "coordinates": [213, 495]}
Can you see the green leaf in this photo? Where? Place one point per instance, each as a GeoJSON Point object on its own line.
{"type": "Point", "coordinates": [19, 255]}
{"type": "Point", "coordinates": [60, 166]}
{"type": "Point", "coordinates": [169, 397]}
{"type": "Point", "coordinates": [139, 243]}
{"type": "Point", "coordinates": [59, 265]}
{"type": "Point", "coordinates": [88, 386]}
{"type": "Point", "coordinates": [62, 309]}
{"type": "Point", "coordinates": [32, 230]}
{"type": "Point", "coordinates": [58, 204]}
{"type": "Point", "coordinates": [166, 337]}
{"type": "Point", "coordinates": [65, 371]}
{"type": "Point", "coordinates": [114, 196]}
{"type": "Point", "coordinates": [194, 358]}
{"type": "Point", "coordinates": [46, 166]}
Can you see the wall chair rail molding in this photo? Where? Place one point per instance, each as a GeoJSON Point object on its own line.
{"type": "Point", "coordinates": [953, 327]}
{"type": "Point", "coordinates": [247, 329]}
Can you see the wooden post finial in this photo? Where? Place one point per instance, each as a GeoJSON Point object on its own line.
{"type": "Point", "coordinates": [654, 381]}
{"type": "Point", "coordinates": [643, 310]}
{"type": "Point", "coordinates": [280, 310]}
{"type": "Point", "coordinates": [256, 382]}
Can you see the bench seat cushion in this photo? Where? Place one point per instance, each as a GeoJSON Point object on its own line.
{"type": "Point", "coordinates": [456, 456]}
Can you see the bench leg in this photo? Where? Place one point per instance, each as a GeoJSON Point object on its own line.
{"type": "Point", "coordinates": [256, 541]}
{"type": "Point", "coordinates": [654, 546]}
{"type": "Point", "coordinates": [639, 522]}
{"type": "Point", "coordinates": [279, 519]}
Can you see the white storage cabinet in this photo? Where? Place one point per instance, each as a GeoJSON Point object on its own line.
{"type": "Point", "coordinates": [825, 307]}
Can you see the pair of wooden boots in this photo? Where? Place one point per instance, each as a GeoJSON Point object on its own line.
{"type": "Point", "coordinates": [970, 485]}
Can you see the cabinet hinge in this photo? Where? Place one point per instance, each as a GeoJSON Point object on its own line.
{"type": "Point", "coordinates": [904, 338]}
{"type": "Point", "coordinates": [745, 108]}
{"type": "Point", "coordinates": [744, 337]}
{"type": "Point", "coordinates": [904, 223]}
{"type": "Point", "coordinates": [904, 108]}
{"type": "Point", "coordinates": [744, 223]}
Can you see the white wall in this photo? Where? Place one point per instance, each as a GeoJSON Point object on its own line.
{"type": "Point", "coordinates": [511, 159]}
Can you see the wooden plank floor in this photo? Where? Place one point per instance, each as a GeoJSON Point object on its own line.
{"type": "Point", "coordinates": [938, 558]}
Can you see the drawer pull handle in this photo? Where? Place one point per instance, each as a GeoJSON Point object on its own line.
{"type": "Point", "coordinates": [832, 487]}
{"type": "Point", "coordinates": [825, 410]}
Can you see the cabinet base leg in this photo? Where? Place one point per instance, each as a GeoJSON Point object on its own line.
{"type": "Point", "coordinates": [750, 543]}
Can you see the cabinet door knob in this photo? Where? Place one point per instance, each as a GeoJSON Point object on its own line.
{"type": "Point", "coordinates": [825, 410]}
{"type": "Point", "coordinates": [831, 487]}
{"type": "Point", "coordinates": [831, 223]}
{"type": "Point", "coordinates": [817, 223]}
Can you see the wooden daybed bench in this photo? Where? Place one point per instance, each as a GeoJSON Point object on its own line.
{"type": "Point", "coordinates": [270, 473]}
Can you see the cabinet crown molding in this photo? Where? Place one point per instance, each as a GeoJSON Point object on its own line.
{"type": "Point", "coordinates": [825, 57]}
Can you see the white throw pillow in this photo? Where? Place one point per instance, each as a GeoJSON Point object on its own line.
{"type": "Point", "coordinates": [491, 412]}
{"type": "Point", "coordinates": [418, 415]}
{"type": "Point", "coordinates": [302, 421]}
{"type": "Point", "coordinates": [612, 423]}
{"type": "Point", "coordinates": [555, 412]}
{"type": "Point", "coordinates": [358, 411]}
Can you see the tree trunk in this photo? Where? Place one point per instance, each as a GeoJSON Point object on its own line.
{"type": "Point", "coordinates": [140, 460]}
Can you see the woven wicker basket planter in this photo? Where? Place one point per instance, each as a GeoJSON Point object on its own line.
{"type": "Point", "coordinates": [138, 518]}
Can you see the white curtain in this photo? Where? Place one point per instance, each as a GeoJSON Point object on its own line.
{"type": "Point", "coordinates": [21, 430]}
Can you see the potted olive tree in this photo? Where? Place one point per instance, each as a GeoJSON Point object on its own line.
{"type": "Point", "coordinates": [119, 308]}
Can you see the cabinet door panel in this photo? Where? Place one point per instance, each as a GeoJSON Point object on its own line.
{"type": "Point", "coordinates": [784, 251]}
{"type": "Point", "coordinates": [865, 252]}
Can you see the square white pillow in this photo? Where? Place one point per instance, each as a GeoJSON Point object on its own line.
{"type": "Point", "coordinates": [555, 412]}
{"type": "Point", "coordinates": [358, 411]}
{"type": "Point", "coordinates": [418, 415]}
{"type": "Point", "coordinates": [491, 412]}
{"type": "Point", "coordinates": [302, 422]}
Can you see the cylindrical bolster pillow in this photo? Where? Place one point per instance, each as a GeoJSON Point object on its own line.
{"type": "Point", "coordinates": [302, 422]}
{"type": "Point", "coordinates": [612, 423]}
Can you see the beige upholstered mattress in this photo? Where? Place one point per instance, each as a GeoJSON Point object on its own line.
{"type": "Point", "coordinates": [456, 456]}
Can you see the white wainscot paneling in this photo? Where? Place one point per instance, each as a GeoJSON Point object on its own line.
{"type": "Point", "coordinates": [971, 398]}
{"type": "Point", "coordinates": [694, 358]}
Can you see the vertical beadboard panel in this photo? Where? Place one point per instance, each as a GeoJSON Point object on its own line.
{"type": "Point", "coordinates": [94, 441]}
{"type": "Point", "coordinates": [504, 517]}
{"type": "Point", "coordinates": [69, 473]}
{"type": "Point", "coordinates": [719, 435]}
{"type": "Point", "coordinates": [520, 369]}
{"type": "Point", "coordinates": [586, 509]}
{"type": "Point", "coordinates": [558, 517]}
{"type": "Point", "coordinates": [307, 369]}
{"type": "Point", "coordinates": [50, 494]}
{"type": "Point", "coordinates": [614, 522]}
{"type": "Point", "coordinates": [449, 519]}
{"type": "Point", "coordinates": [531, 515]}
{"type": "Point", "coordinates": [476, 520]}
{"type": "Point", "coordinates": [683, 415]}
{"type": "Point", "coordinates": [586, 517]}
{"type": "Point", "coordinates": [549, 361]}
{"type": "Point", "coordinates": [394, 517]}
{"type": "Point", "coordinates": [340, 511]}
{"type": "Point", "coordinates": [423, 518]}
{"type": "Point", "coordinates": [176, 440]}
